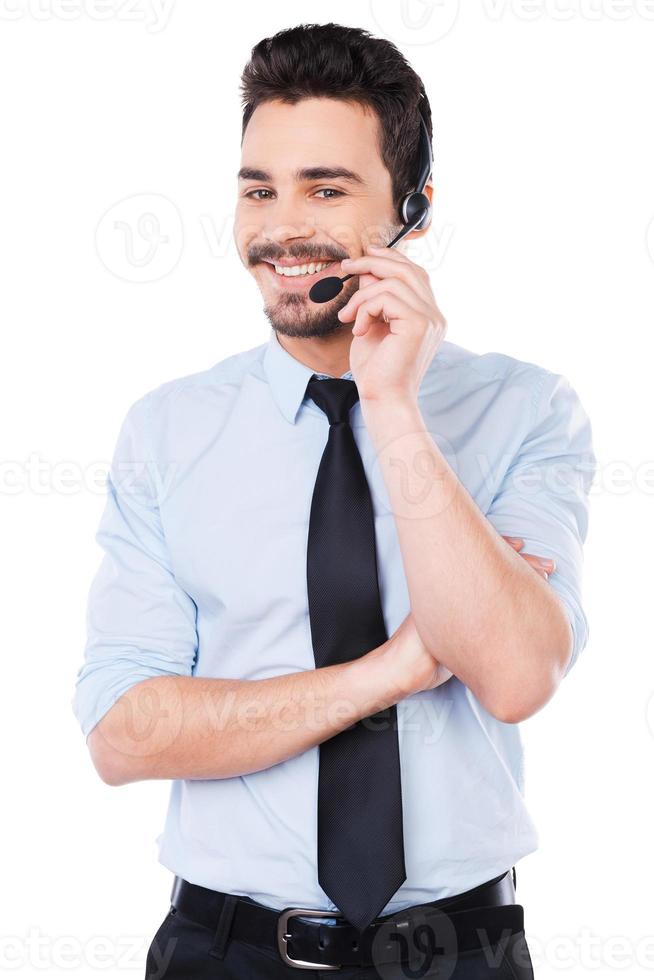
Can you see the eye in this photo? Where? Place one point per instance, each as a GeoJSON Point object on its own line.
{"type": "Point", "coordinates": [259, 190]}
{"type": "Point", "coordinates": [330, 190]}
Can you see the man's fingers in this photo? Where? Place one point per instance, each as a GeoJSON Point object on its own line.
{"type": "Point", "coordinates": [547, 563]}
{"type": "Point", "coordinates": [516, 543]}
{"type": "Point", "coordinates": [544, 566]}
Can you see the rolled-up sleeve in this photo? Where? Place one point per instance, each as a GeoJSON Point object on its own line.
{"type": "Point", "coordinates": [544, 495]}
{"type": "Point", "coordinates": [140, 623]}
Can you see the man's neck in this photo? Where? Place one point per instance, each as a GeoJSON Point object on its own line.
{"type": "Point", "coordinates": [324, 355]}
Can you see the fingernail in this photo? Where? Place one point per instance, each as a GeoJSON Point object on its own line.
{"type": "Point", "coordinates": [546, 563]}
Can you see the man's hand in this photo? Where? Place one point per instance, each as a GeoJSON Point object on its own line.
{"type": "Point", "coordinates": [408, 661]}
{"type": "Point", "coordinates": [544, 566]}
{"type": "Point", "coordinates": [398, 327]}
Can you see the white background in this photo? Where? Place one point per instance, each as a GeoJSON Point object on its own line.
{"type": "Point", "coordinates": [542, 247]}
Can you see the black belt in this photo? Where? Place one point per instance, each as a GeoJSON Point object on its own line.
{"type": "Point", "coordinates": [474, 919]}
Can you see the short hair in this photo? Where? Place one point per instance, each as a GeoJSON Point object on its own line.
{"type": "Point", "coordinates": [346, 63]}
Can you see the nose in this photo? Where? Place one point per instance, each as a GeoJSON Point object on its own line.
{"type": "Point", "coordinates": [286, 222]}
{"type": "Point", "coordinates": [284, 234]}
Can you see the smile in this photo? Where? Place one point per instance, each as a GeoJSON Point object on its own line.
{"type": "Point", "coordinates": [299, 278]}
{"type": "Point", "coordinates": [300, 270]}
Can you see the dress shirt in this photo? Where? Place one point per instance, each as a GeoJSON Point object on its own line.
{"type": "Point", "coordinates": [204, 533]}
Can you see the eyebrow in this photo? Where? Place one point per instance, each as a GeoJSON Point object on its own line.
{"type": "Point", "coordinates": [304, 174]}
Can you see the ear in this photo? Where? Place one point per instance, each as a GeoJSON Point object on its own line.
{"type": "Point", "coordinates": [428, 192]}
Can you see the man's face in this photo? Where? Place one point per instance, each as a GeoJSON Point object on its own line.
{"type": "Point", "coordinates": [312, 189]}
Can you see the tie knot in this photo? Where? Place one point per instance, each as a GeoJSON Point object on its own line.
{"type": "Point", "coordinates": [335, 396]}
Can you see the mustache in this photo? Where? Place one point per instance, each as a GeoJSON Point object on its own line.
{"type": "Point", "coordinates": [303, 253]}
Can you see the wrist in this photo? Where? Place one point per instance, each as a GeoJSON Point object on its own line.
{"type": "Point", "coordinates": [391, 672]}
{"type": "Point", "coordinates": [373, 677]}
{"type": "Point", "coordinates": [391, 418]}
{"type": "Point", "coordinates": [390, 403]}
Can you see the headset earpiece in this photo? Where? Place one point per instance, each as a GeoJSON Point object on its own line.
{"type": "Point", "coordinates": [417, 201]}
{"type": "Point", "coordinates": [412, 205]}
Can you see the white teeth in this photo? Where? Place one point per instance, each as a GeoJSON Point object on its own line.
{"type": "Point", "coordinates": [301, 270]}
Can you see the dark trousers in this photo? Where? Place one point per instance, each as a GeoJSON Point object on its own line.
{"type": "Point", "coordinates": [181, 950]}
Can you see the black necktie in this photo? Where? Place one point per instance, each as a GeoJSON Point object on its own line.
{"type": "Point", "coordinates": [360, 835]}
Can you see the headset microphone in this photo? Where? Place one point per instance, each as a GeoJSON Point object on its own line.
{"type": "Point", "coordinates": [415, 210]}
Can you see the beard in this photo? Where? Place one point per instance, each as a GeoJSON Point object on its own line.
{"type": "Point", "coordinates": [295, 315]}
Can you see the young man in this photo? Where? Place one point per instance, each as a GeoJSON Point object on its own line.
{"type": "Point", "coordinates": [315, 614]}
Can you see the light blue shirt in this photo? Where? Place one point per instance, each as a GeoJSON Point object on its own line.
{"type": "Point", "coordinates": [204, 573]}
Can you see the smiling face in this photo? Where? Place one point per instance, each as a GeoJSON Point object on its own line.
{"type": "Point", "coordinates": [312, 190]}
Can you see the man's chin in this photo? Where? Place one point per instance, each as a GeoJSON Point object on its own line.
{"type": "Point", "coordinates": [297, 319]}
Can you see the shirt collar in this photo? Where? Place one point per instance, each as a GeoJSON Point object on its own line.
{"type": "Point", "coordinates": [288, 378]}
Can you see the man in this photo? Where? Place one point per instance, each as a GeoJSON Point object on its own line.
{"type": "Point", "coordinates": [340, 568]}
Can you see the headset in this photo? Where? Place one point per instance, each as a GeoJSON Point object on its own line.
{"type": "Point", "coordinates": [415, 210]}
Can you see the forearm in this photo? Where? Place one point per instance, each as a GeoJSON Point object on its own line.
{"type": "Point", "coordinates": [203, 728]}
{"type": "Point", "coordinates": [477, 604]}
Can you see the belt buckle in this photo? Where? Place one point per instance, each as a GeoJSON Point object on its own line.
{"type": "Point", "coordinates": [283, 936]}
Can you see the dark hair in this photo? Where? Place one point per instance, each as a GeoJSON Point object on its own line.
{"type": "Point", "coordinates": [347, 63]}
